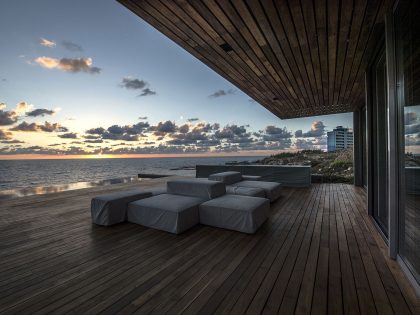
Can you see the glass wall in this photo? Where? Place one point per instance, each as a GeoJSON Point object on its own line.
{"type": "Point", "coordinates": [407, 35]}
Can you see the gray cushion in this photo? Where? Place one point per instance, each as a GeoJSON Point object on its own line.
{"type": "Point", "coordinates": [233, 212]}
{"type": "Point", "coordinates": [226, 177]}
{"type": "Point", "coordinates": [112, 208]}
{"type": "Point", "coordinates": [157, 190]}
{"type": "Point", "coordinates": [170, 213]}
{"type": "Point", "coordinates": [251, 177]}
{"type": "Point", "coordinates": [245, 191]}
{"type": "Point", "coordinates": [272, 189]}
{"type": "Point", "coordinates": [196, 187]}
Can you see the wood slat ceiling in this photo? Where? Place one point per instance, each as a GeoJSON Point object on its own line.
{"type": "Point", "coordinates": [296, 58]}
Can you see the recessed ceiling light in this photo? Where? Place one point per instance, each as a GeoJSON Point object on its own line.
{"type": "Point", "coordinates": [226, 47]}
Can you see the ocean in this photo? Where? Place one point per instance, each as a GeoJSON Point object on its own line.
{"type": "Point", "coordinates": [28, 177]}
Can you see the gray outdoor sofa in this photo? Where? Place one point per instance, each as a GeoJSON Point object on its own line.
{"type": "Point", "coordinates": [254, 188]}
{"type": "Point", "coordinates": [177, 210]}
{"type": "Point", "coordinates": [234, 212]}
{"type": "Point", "coordinates": [111, 209]}
{"type": "Point", "coordinates": [183, 204]}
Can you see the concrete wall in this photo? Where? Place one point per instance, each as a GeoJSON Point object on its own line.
{"type": "Point", "coordinates": [289, 176]}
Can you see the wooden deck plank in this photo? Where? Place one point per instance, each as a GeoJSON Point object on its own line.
{"type": "Point", "coordinates": [363, 290]}
{"type": "Point", "coordinates": [319, 252]}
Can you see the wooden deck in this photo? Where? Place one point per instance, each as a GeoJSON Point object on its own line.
{"type": "Point", "coordinates": [317, 253]}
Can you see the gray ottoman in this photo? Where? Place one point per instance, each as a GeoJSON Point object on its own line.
{"type": "Point", "coordinates": [112, 208]}
{"type": "Point", "coordinates": [245, 191]}
{"type": "Point", "coordinates": [272, 189]}
{"type": "Point", "coordinates": [233, 212]}
{"type": "Point", "coordinates": [170, 213]}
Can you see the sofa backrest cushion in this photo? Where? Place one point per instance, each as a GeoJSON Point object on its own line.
{"type": "Point", "coordinates": [227, 178]}
{"type": "Point", "coordinates": [196, 187]}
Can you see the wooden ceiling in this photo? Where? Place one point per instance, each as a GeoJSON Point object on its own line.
{"type": "Point", "coordinates": [296, 58]}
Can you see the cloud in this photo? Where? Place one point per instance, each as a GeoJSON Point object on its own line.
{"type": "Point", "coordinates": [5, 135]}
{"type": "Point", "coordinates": [7, 118]}
{"type": "Point", "coordinates": [410, 118]}
{"type": "Point", "coordinates": [230, 131]}
{"type": "Point", "coordinates": [411, 129]}
{"type": "Point", "coordinates": [277, 132]}
{"type": "Point", "coordinates": [317, 130]}
{"type": "Point", "coordinates": [188, 137]}
{"type": "Point", "coordinates": [133, 84]}
{"type": "Point", "coordinates": [116, 132]}
{"type": "Point", "coordinates": [34, 127]}
{"type": "Point", "coordinates": [91, 137]}
{"type": "Point", "coordinates": [69, 135]}
{"type": "Point", "coordinates": [192, 119]}
{"type": "Point", "coordinates": [202, 127]}
{"type": "Point", "coordinates": [71, 46]}
{"type": "Point", "coordinates": [412, 140]}
{"type": "Point", "coordinates": [24, 126]}
{"type": "Point", "coordinates": [163, 127]}
{"type": "Point", "coordinates": [68, 64]}
{"type": "Point", "coordinates": [165, 137]}
{"type": "Point", "coordinates": [94, 141]}
{"type": "Point", "coordinates": [147, 92]}
{"type": "Point", "coordinates": [220, 93]}
{"type": "Point", "coordinates": [304, 144]}
{"type": "Point", "coordinates": [40, 112]}
{"type": "Point", "coordinates": [321, 141]}
{"type": "Point", "coordinates": [11, 141]}
{"type": "Point", "coordinates": [124, 137]}
{"type": "Point", "coordinates": [411, 125]}
{"type": "Point", "coordinates": [10, 117]}
{"type": "Point", "coordinates": [47, 43]}
{"type": "Point", "coordinates": [22, 108]}
{"type": "Point", "coordinates": [48, 127]}
{"type": "Point", "coordinates": [184, 128]}
{"type": "Point", "coordinates": [298, 133]}
{"type": "Point", "coordinates": [143, 117]}
{"type": "Point", "coordinates": [137, 84]}
{"type": "Point", "coordinates": [96, 131]}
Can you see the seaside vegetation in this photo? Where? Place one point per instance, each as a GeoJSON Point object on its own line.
{"type": "Point", "coordinates": [326, 167]}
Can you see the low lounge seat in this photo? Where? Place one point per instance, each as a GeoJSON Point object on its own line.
{"type": "Point", "coordinates": [166, 212]}
{"type": "Point", "coordinates": [245, 191]}
{"type": "Point", "coordinates": [239, 213]}
{"type": "Point", "coordinates": [272, 189]}
{"type": "Point", "coordinates": [112, 208]}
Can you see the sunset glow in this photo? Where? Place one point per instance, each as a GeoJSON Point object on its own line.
{"type": "Point", "coordinates": [65, 96]}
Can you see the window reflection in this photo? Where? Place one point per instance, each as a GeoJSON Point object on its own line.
{"type": "Point", "coordinates": [407, 23]}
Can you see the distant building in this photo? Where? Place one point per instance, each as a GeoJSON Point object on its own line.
{"type": "Point", "coordinates": [340, 138]}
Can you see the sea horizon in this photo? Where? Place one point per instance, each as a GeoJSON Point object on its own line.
{"type": "Point", "coordinates": [40, 176]}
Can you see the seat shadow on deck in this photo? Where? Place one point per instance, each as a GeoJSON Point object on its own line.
{"type": "Point", "coordinates": [318, 252]}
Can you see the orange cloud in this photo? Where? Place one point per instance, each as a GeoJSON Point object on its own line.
{"type": "Point", "coordinates": [47, 43]}
{"type": "Point", "coordinates": [68, 64]}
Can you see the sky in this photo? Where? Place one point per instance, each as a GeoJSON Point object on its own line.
{"type": "Point", "coordinates": [90, 78]}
